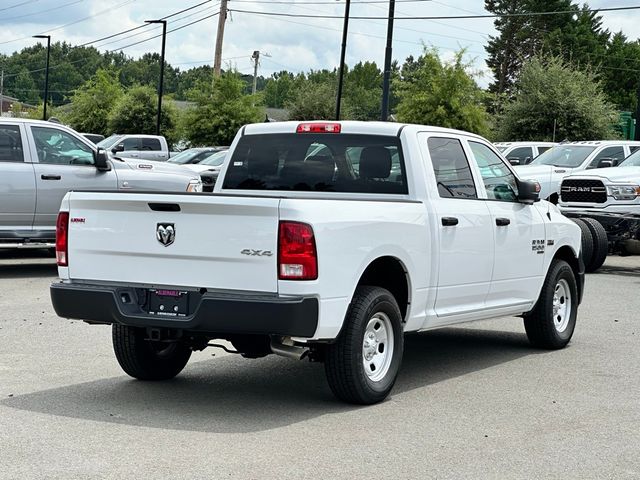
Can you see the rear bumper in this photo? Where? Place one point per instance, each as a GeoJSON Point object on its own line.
{"type": "Point", "coordinates": [212, 312]}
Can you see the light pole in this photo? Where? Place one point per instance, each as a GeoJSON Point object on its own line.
{"type": "Point", "coordinates": [161, 84]}
{"type": "Point", "coordinates": [46, 74]}
{"type": "Point", "coordinates": [345, 30]}
{"type": "Point", "coordinates": [384, 114]}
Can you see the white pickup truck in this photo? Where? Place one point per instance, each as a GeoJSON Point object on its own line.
{"type": "Point", "coordinates": [552, 166]}
{"type": "Point", "coordinates": [326, 241]}
{"type": "Point", "coordinates": [608, 199]}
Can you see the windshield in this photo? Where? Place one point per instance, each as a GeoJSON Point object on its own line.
{"type": "Point", "coordinates": [184, 157]}
{"type": "Point", "coordinates": [214, 159]}
{"type": "Point", "coordinates": [632, 160]}
{"type": "Point", "coordinates": [109, 142]}
{"type": "Point", "coordinates": [564, 156]}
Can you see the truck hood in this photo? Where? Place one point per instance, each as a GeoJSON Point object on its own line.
{"type": "Point", "coordinates": [154, 167]}
{"type": "Point", "coordinates": [613, 174]}
{"type": "Point", "coordinates": [540, 173]}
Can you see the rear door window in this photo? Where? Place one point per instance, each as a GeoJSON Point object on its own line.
{"type": "Point", "coordinates": [10, 144]}
{"type": "Point", "coordinates": [151, 144]}
{"type": "Point", "coordinates": [451, 168]}
{"type": "Point", "coordinates": [323, 162]}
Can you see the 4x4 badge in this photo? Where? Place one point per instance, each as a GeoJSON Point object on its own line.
{"type": "Point", "coordinates": [166, 233]}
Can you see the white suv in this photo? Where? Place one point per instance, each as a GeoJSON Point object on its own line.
{"type": "Point", "coordinates": [523, 153]}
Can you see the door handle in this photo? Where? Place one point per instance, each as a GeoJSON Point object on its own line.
{"type": "Point", "coordinates": [51, 177]}
{"type": "Point", "coordinates": [449, 221]}
{"type": "Point", "coordinates": [502, 222]}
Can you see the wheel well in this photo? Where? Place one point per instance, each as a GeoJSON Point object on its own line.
{"type": "Point", "coordinates": [565, 253]}
{"type": "Point", "coordinates": [389, 273]}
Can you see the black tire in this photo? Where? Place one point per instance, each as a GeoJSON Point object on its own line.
{"type": "Point", "coordinates": [541, 324]}
{"type": "Point", "coordinates": [600, 244]}
{"type": "Point", "coordinates": [146, 359]}
{"type": "Point", "coordinates": [344, 359]}
{"type": "Point", "coordinates": [587, 241]}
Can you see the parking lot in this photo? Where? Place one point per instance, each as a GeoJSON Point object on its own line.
{"type": "Point", "coordinates": [470, 402]}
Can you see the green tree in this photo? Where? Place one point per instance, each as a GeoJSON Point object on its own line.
{"type": "Point", "coordinates": [363, 91]}
{"type": "Point", "coordinates": [550, 91]}
{"type": "Point", "coordinates": [136, 112]}
{"type": "Point", "coordinates": [441, 94]}
{"type": "Point", "coordinates": [221, 110]}
{"type": "Point", "coordinates": [279, 89]}
{"type": "Point", "coordinates": [315, 101]}
{"type": "Point", "coordinates": [92, 103]}
{"type": "Point", "coordinates": [619, 71]}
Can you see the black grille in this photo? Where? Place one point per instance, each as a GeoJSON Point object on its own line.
{"type": "Point", "coordinates": [583, 191]}
{"type": "Point", "coordinates": [208, 181]}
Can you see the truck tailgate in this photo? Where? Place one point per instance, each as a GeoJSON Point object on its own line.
{"type": "Point", "coordinates": [126, 238]}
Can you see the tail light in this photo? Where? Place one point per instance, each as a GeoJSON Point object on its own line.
{"type": "Point", "coordinates": [297, 256]}
{"type": "Point", "coordinates": [62, 239]}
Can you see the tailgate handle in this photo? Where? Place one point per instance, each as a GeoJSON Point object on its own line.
{"type": "Point", "coordinates": [164, 207]}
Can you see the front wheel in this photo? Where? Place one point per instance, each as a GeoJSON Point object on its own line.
{"type": "Point", "coordinates": [552, 321]}
{"type": "Point", "coordinates": [146, 359]}
{"type": "Point", "coordinates": [363, 363]}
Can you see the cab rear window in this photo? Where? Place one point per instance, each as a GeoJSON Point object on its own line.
{"type": "Point", "coordinates": [322, 162]}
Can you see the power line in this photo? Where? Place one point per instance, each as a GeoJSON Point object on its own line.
{"type": "Point", "coordinates": [18, 5]}
{"type": "Point", "coordinates": [39, 12]}
{"type": "Point", "coordinates": [445, 17]}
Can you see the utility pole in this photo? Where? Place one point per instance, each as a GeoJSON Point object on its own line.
{"type": "Point", "coordinates": [46, 74]}
{"type": "Point", "coordinates": [345, 30]}
{"type": "Point", "coordinates": [222, 18]}
{"type": "Point", "coordinates": [161, 83]}
{"type": "Point", "coordinates": [1, 92]}
{"type": "Point", "coordinates": [256, 60]}
{"type": "Point", "coordinates": [384, 113]}
{"type": "Point", "coordinates": [636, 135]}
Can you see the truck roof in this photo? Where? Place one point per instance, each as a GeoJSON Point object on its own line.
{"type": "Point", "coordinates": [351, 126]}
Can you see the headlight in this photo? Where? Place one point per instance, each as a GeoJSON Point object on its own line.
{"type": "Point", "coordinates": [623, 192]}
{"type": "Point", "coordinates": [195, 186]}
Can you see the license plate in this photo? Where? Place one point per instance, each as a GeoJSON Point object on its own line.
{"type": "Point", "coordinates": [168, 303]}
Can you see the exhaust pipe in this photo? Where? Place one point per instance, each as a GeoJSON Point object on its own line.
{"type": "Point", "coordinates": [290, 351]}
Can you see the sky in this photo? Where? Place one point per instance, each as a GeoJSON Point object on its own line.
{"type": "Point", "coordinates": [286, 43]}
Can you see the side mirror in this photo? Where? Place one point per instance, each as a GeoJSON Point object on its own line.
{"type": "Point", "coordinates": [605, 163]}
{"type": "Point", "coordinates": [514, 160]}
{"type": "Point", "coordinates": [101, 160]}
{"type": "Point", "coordinates": [528, 160]}
{"type": "Point", "coordinates": [528, 192]}
{"type": "Point", "coordinates": [118, 148]}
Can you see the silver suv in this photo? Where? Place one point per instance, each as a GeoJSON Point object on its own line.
{"type": "Point", "coordinates": [41, 161]}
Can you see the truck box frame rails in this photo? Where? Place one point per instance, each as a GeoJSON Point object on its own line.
{"type": "Point", "coordinates": [326, 241]}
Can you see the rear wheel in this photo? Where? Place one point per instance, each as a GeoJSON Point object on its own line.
{"type": "Point", "coordinates": [363, 363]}
{"type": "Point", "coordinates": [146, 359]}
{"type": "Point", "coordinates": [600, 244]}
{"type": "Point", "coordinates": [552, 321]}
{"type": "Point", "coordinates": [587, 241]}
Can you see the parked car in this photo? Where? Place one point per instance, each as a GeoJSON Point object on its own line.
{"type": "Point", "coordinates": [209, 169]}
{"type": "Point", "coordinates": [93, 137]}
{"type": "Point", "coordinates": [302, 256]}
{"type": "Point", "coordinates": [556, 163]}
{"type": "Point", "coordinates": [194, 155]}
{"type": "Point", "coordinates": [41, 161]}
{"type": "Point", "coordinates": [522, 153]}
{"type": "Point", "coordinates": [144, 147]}
{"type": "Point", "coordinates": [608, 200]}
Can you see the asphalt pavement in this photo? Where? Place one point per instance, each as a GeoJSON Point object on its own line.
{"type": "Point", "coordinates": [470, 402]}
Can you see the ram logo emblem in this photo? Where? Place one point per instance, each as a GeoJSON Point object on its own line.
{"type": "Point", "coordinates": [166, 233]}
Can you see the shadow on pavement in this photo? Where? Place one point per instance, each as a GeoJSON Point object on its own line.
{"type": "Point", "coordinates": [619, 270]}
{"type": "Point", "coordinates": [233, 394]}
{"type": "Point", "coordinates": [29, 270]}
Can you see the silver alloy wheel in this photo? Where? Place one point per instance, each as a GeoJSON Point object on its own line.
{"type": "Point", "coordinates": [377, 347]}
{"type": "Point", "coordinates": [561, 305]}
